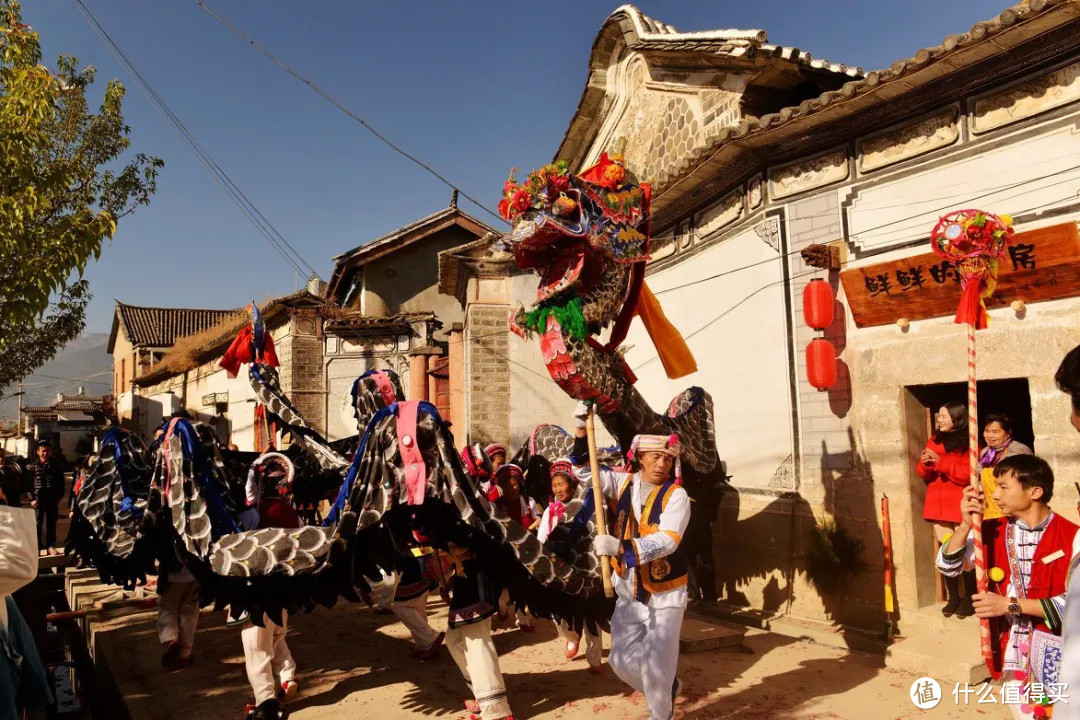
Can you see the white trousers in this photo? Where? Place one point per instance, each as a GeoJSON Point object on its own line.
{"type": "Point", "coordinates": [594, 644]}
{"type": "Point", "coordinates": [645, 651]}
{"type": "Point", "coordinates": [178, 615]}
{"type": "Point", "coordinates": [473, 650]}
{"type": "Point", "coordinates": [267, 655]}
{"type": "Point", "coordinates": [413, 615]}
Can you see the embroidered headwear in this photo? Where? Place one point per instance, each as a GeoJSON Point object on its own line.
{"type": "Point", "coordinates": [272, 471]}
{"type": "Point", "coordinates": [473, 465]}
{"type": "Point", "coordinates": [495, 449]}
{"type": "Point", "coordinates": [563, 466]}
{"type": "Point", "coordinates": [507, 471]}
{"type": "Point", "coordinates": [666, 444]}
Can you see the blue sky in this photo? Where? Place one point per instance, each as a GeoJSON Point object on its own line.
{"type": "Point", "coordinates": [474, 88]}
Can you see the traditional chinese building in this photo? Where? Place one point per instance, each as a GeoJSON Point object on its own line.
{"type": "Point", "coordinates": [189, 377]}
{"type": "Point", "coordinates": [71, 424]}
{"type": "Point", "coordinates": [140, 336]}
{"type": "Point", "coordinates": [381, 309]}
{"type": "Point", "coordinates": [758, 151]}
{"type": "Point", "coordinates": [390, 287]}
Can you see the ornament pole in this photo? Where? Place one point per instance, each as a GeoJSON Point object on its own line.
{"type": "Point", "coordinates": [976, 482]}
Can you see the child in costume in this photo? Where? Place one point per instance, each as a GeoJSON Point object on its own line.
{"type": "Point", "coordinates": [563, 487]}
{"type": "Point", "coordinates": [269, 663]}
{"type": "Point", "coordinates": [650, 562]}
{"type": "Point", "coordinates": [507, 494]}
{"type": "Point", "coordinates": [1028, 554]}
{"type": "Point", "coordinates": [496, 454]}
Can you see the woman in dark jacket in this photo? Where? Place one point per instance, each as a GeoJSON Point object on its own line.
{"type": "Point", "coordinates": [945, 466]}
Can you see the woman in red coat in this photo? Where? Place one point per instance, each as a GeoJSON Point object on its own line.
{"type": "Point", "coordinates": [945, 466]}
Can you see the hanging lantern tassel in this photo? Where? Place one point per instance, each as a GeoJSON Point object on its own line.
{"type": "Point", "coordinates": [978, 279]}
{"type": "Point", "coordinates": [821, 364]}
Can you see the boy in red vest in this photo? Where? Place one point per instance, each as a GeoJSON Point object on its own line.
{"type": "Point", "coordinates": [1030, 548]}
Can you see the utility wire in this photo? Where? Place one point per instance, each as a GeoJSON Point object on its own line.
{"type": "Point", "coordinates": [330, 99]}
{"type": "Point", "coordinates": [908, 228]}
{"type": "Point", "coordinates": [794, 277]}
{"type": "Point", "coordinates": [70, 379]}
{"type": "Point", "coordinates": [284, 248]}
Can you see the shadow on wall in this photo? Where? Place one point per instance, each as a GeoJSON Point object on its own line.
{"type": "Point", "coordinates": [850, 500]}
{"type": "Point", "coordinates": [776, 545]}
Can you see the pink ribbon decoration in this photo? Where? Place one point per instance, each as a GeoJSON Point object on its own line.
{"type": "Point", "coordinates": [386, 388]}
{"type": "Point", "coordinates": [411, 459]}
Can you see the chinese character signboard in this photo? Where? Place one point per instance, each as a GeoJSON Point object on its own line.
{"type": "Point", "coordinates": [1042, 264]}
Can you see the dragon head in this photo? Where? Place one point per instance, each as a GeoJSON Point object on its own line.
{"type": "Point", "coordinates": [580, 234]}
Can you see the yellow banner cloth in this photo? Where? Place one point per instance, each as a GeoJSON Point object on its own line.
{"type": "Point", "coordinates": [674, 353]}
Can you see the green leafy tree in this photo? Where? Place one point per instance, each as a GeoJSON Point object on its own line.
{"type": "Point", "coordinates": [63, 189]}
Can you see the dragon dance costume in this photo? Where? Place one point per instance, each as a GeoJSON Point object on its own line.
{"type": "Point", "coordinates": [404, 481]}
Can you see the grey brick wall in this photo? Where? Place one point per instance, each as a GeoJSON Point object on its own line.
{"type": "Point", "coordinates": [302, 376]}
{"type": "Point", "coordinates": [488, 373]}
{"type": "Point", "coordinates": [824, 434]}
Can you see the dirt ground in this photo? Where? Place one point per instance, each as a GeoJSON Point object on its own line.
{"type": "Point", "coordinates": [354, 662]}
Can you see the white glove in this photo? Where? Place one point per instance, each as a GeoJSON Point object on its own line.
{"type": "Point", "coordinates": [606, 545]}
{"type": "Point", "coordinates": [581, 412]}
{"type": "Point", "coordinates": [383, 589]}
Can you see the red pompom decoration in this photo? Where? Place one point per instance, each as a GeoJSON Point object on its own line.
{"type": "Point", "coordinates": [821, 364]}
{"type": "Point", "coordinates": [817, 304]}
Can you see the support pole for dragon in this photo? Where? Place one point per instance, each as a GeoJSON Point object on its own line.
{"type": "Point", "coordinates": [598, 497]}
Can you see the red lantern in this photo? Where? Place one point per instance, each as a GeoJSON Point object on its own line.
{"type": "Point", "coordinates": [817, 304]}
{"type": "Point", "coordinates": [821, 363]}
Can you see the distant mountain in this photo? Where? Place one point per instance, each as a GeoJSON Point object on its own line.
{"type": "Point", "coordinates": [83, 363]}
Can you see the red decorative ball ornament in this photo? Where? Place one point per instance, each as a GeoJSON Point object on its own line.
{"type": "Point", "coordinates": [974, 241]}
{"type": "Point", "coordinates": [821, 364]}
{"type": "Point", "coordinates": [818, 301]}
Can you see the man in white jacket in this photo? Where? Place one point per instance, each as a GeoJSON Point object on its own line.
{"type": "Point", "coordinates": [651, 515]}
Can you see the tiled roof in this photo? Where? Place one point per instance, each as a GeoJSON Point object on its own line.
{"type": "Point", "coordinates": [401, 238]}
{"type": "Point", "coordinates": [482, 250]}
{"type": "Point", "coordinates": [193, 350]}
{"type": "Point", "coordinates": [75, 403]}
{"type": "Point", "coordinates": [376, 326]}
{"type": "Point", "coordinates": [655, 35]}
{"type": "Point", "coordinates": [874, 82]}
{"type": "Point", "coordinates": [358, 320]}
{"type": "Point", "coordinates": [391, 237]}
{"type": "Point", "coordinates": [160, 327]}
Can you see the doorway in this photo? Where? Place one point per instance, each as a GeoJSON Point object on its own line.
{"type": "Point", "coordinates": [1011, 397]}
